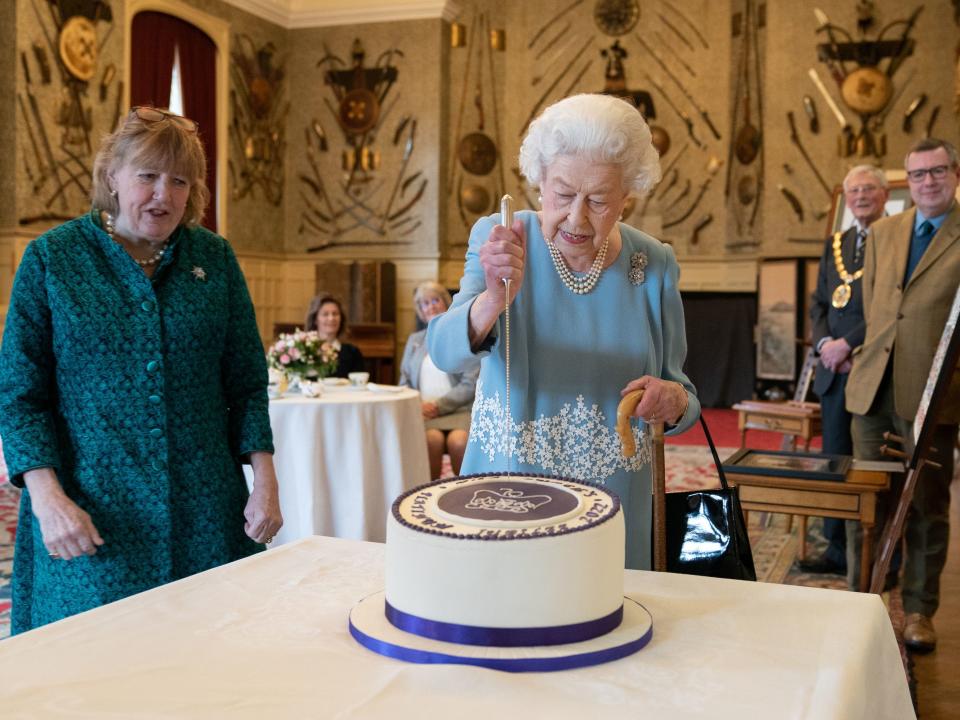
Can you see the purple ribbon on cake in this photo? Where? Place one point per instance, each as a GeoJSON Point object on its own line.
{"type": "Point", "coordinates": [503, 637]}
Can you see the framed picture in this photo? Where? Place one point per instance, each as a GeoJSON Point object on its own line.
{"type": "Point", "coordinates": [840, 217]}
{"type": "Point", "coordinates": [804, 465]}
{"type": "Point", "coordinates": [777, 320]}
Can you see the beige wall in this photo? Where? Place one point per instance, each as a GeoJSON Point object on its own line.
{"type": "Point", "coordinates": [432, 81]}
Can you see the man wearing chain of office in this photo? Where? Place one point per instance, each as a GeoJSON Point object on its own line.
{"type": "Point", "coordinates": [836, 311]}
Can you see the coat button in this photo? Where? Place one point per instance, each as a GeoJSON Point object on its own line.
{"type": "Point", "coordinates": [152, 366]}
{"type": "Point", "coordinates": [899, 316]}
{"type": "Point", "coordinates": [147, 305]}
{"type": "Point", "coordinates": [154, 399]}
{"type": "Point", "coordinates": [886, 349]}
{"type": "Point", "coordinates": [157, 464]}
{"type": "Point", "coordinates": [156, 433]}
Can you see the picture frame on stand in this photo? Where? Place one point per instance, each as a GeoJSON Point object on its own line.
{"type": "Point", "coordinates": [777, 320]}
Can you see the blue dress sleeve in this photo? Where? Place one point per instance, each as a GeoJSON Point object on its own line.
{"type": "Point", "coordinates": [675, 343]}
{"type": "Point", "coordinates": [448, 335]}
{"type": "Point", "coordinates": [28, 395]}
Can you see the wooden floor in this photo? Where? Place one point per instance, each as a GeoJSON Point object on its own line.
{"type": "Point", "coordinates": [938, 674]}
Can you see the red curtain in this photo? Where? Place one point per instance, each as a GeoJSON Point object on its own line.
{"type": "Point", "coordinates": [154, 38]}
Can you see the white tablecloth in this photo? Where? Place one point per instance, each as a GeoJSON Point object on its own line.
{"type": "Point", "coordinates": [267, 637]}
{"type": "Point", "coordinates": [343, 458]}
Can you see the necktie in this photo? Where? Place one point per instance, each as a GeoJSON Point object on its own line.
{"type": "Point", "coordinates": [858, 252]}
{"type": "Point", "coordinates": [918, 245]}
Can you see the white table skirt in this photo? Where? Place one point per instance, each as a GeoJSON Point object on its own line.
{"type": "Point", "coordinates": [267, 637]}
{"type": "Point", "coordinates": [342, 459]}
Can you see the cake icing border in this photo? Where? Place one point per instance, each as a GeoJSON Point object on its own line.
{"type": "Point", "coordinates": [510, 533]}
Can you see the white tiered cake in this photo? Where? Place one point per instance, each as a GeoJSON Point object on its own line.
{"type": "Point", "coordinates": [512, 572]}
{"type": "Point", "coordinates": [506, 552]}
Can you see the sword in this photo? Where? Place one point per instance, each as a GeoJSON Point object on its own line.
{"type": "Point", "coordinates": [831, 103]}
{"type": "Point", "coordinates": [795, 139]}
{"type": "Point", "coordinates": [33, 141]}
{"type": "Point", "coordinates": [537, 35]}
{"type": "Point", "coordinates": [700, 111]}
{"type": "Point", "coordinates": [675, 31]}
{"type": "Point", "coordinates": [554, 84]}
{"type": "Point", "coordinates": [683, 116]}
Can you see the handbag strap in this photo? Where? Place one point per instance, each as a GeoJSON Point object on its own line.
{"type": "Point", "coordinates": [713, 451]}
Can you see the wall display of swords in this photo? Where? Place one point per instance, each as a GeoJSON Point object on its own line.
{"type": "Point", "coordinates": [55, 104]}
{"type": "Point", "coordinates": [258, 117]}
{"type": "Point", "coordinates": [856, 78]}
{"type": "Point", "coordinates": [374, 200]}
{"type": "Point", "coordinates": [668, 45]}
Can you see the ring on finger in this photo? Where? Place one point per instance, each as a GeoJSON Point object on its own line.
{"type": "Point", "coordinates": [55, 556]}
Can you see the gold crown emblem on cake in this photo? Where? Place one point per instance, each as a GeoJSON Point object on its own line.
{"type": "Point", "coordinates": [507, 500]}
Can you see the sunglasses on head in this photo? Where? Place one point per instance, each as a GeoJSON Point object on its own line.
{"type": "Point", "coordinates": [154, 115]}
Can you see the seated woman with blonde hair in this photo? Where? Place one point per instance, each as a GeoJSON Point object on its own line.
{"type": "Point", "coordinates": [447, 397]}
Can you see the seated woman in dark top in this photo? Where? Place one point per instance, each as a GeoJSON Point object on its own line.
{"type": "Point", "coordinates": [326, 316]}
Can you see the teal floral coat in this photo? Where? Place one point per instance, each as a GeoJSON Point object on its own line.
{"type": "Point", "coordinates": [144, 394]}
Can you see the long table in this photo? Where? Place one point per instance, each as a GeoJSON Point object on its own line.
{"type": "Point", "coordinates": [266, 637]}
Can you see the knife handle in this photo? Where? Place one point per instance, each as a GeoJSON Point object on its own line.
{"type": "Point", "coordinates": [506, 211]}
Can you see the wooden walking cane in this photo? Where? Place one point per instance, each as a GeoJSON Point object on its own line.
{"type": "Point", "coordinates": [624, 411]}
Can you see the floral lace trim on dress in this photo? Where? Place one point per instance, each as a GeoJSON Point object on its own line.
{"type": "Point", "coordinates": [577, 443]}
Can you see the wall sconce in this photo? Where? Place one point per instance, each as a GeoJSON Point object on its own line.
{"type": "Point", "coordinates": [458, 35]}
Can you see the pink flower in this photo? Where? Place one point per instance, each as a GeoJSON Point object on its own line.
{"type": "Point", "coordinates": [295, 354]}
{"type": "Point", "coordinates": [285, 359]}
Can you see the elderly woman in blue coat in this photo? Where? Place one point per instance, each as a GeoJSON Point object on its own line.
{"type": "Point", "coordinates": [446, 397]}
{"type": "Point", "coordinates": [133, 387]}
{"type": "Point", "coordinates": [595, 312]}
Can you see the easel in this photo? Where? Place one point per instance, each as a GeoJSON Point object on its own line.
{"type": "Point", "coordinates": [938, 382]}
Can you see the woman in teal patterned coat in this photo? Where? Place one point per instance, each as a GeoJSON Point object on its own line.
{"type": "Point", "coordinates": [132, 387]}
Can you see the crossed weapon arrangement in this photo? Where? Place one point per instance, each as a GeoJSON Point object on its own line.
{"type": "Point", "coordinates": [355, 200]}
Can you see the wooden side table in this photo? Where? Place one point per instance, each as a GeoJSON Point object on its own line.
{"type": "Point", "coordinates": [855, 498]}
{"type": "Point", "coordinates": [793, 418]}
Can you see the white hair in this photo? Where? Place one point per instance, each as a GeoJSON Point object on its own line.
{"type": "Point", "coordinates": [878, 175]}
{"type": "Point", "coordinates": [601, 128]}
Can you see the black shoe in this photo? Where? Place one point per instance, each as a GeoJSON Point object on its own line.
{"type": "Point", "coordinates": [822, 564]}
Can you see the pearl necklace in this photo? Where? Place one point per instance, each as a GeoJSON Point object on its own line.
{"type": "Point", "coordinates": [579, 285]}
{"type": "Point", "coordinates": [109, 226]}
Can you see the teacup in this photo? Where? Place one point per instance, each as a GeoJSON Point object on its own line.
{"type": "Point", "coordinates": [311, 389]}
{"type": "Point", "coordinates": [359, 378]}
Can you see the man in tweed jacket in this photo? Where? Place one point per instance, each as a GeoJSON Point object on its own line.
{"type": "Point", "coordinates": [912, 267]}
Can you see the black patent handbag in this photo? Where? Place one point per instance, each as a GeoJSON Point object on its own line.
{"type": "Point", "coordinates": [705, 530]}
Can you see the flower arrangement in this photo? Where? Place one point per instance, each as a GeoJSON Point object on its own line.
{"type": "Point", "coordinates": [304, 354]}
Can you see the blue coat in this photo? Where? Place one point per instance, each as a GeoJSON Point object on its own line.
{"type": "Point", "coordinates": [570, 355]}
{"type": "Point", "coordinates": [144, 394]}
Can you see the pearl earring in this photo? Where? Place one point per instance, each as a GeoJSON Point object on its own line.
{"type": "Point", "coordinates": [113, 194]}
